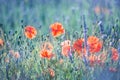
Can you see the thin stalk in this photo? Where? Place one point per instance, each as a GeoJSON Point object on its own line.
{"type": "Point", "coordinates": [85, 39]}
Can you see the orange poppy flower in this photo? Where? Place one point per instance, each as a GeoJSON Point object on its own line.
{"type": "Point", "coordinates": [94, 44]}
{"type": "Point", "coordinates": [1, 42]}
{"type": "Point", "coordinates": [57, 29]}
{"type": "Point", "coordinates": [30, 32]}
{"type": "Point", "coordinates": [46, 54]}
{"type": "Point", "coordinates": [77, 45]}
{"type": "Point", "coordinates": [47, 46]}
{"type": "Point", "coordinates": [65, 50]}
{"type": "Point", "coordinates": [51, 72]}
{"type": "Point", "coordinates": [115, 55]}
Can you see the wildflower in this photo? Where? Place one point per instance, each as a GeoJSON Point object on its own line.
{"type": "Point", "coordinates": [65, 47]}
{"type": "Point", "coordinates": [77, 45]}
{"type": "Point", "coordinates": [16, 55]}
{"type": "Point", "coordinates": [46, 51]}
{"type": "Point", "coordinates": [46, 54]}
{"type": "Point", "coordinates": [101, 58]}
{"type": "Point", "coordinates": [1, 42]}
{"type": "Point", "coordinates": [51, 72]}
{"type": "Point", "coordinates": [57, 29]}
{"type": "Point", "coordinates": [30, 32]}
{"type": "Point", "coordinates": [103, 10]}
{"type": "Point", "coordinates": [7, 60]}
{"type": "Point", "coordinates": [94, 44]}
{"type": "Point", "coordinates": [115, 55]}
{"type": "Point", "coordinates": [66, 43]}
{"type": "Point", "coordinates": [92, 59]}
{"type": "Point", "coordinates": [97, 10]}
{"type": "Point", "coordinates": [47, 46]}
{"type": "Point", "coordinates": [65, 50]}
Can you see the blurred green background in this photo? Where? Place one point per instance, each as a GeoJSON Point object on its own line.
{"type": "Point", "coordinates": [42, 13]}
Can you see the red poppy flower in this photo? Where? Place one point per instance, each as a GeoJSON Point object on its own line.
{"type": "Point", "coordinates": [115, 55]}
{"type": "Point", "coordinates": [57, 29]}
{"type": "Point", "coordinates": [30, 32]}
{"type": "Point", "coordinates": [77, 45]}
{"type": "Point", "coordinates": [46, 54]}
{"type": "Point", "coordinates": [94, 44]}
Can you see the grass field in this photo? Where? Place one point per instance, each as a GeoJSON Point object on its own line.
{"type": "Point", "coordinates": [94, 23]}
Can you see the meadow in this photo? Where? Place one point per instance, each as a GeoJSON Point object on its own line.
{"type": "Point", "coordinates": [59, 40]}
